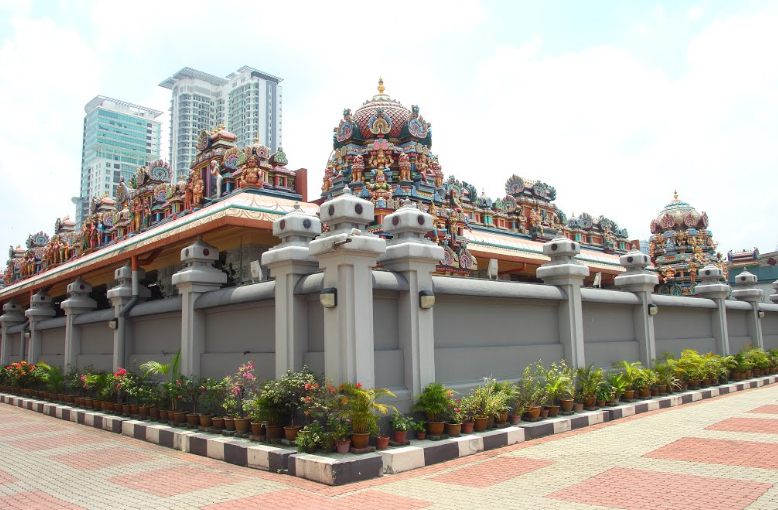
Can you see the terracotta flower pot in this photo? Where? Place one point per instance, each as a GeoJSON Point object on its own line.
{"type": "Point", "coordinates": [144, 411]}
{"type": "Point", "coordinates": [206, 420]}
{"type": "Point", "coordinates": [291, 431]}
{"type": "Point", "coordinates": [645, 392]}
{"type": "Point", "coordinates": [107, 406]}
{"type": "Point", "coordinates": [543, 414]}
{"type": "Point", "coordinates": [229, 423]}
{"type": "Point", "coordinates": [344, 446]}
{"type": "Point", "coordinates": [179, 417]}
{"type": "Point", "coordinates": [154, 413]}
{"type": "Point", "coordinates": [578, 407]}
{"type": "Point", "coordinates": [218, 422]}
{"type": "Point", "coordinates": [503, 417]}
{"type": "Point", "coordinates": [435, 428]}
{"type": "Point", "coordinates": [629, 394]}
{"type": "Point", "coordinates": [258, 429]}
{"type": "Point", "coordinates": [421, 436]}
{"type": "Point", "coordinates": [662, 388]}
{"type": "Point", "coordinates": [553, 411]}
{"type": "Point", "coordinates": [126, 409]}
{"type": "Point", "coordinates": [163, 415]}
{"type": "Point", "coordinates": [481, 423]}
{"type": "Point", "coordinates": [135, 409]}
{"type": "Point", "coordinates": [532, 413]}
{"type": "Point", "coordinates": [589, 402]}
{"type": "Point", "coordinates": [359, 439]}
{"type": "Point", "coordinates": [382, 442]}
{"type": "Point", "coordinates": [274, 431]}
{"type": "Point", "coordinates": [467, 427]}
{"type": "Point", "coordinates": [399, 435]}
{"type": "Point", "coordinates": [118, 408]}
{"type": "Point", "coordinates": [193, 420]}
{"type": "Point", "coordinates": [515, 419]}
{"type": "Point", "coordinates": [453, 429]}
{"type": "Point", "coordinates": [242, 425]}
{"type": "Point", "coordinates": [566, 404]}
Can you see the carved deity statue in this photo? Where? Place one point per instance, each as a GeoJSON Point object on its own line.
{"type": "Point", "coordinates": [329, 172]}
{"type": "Point", "coordinates": [405, 167]}
{"type": "Point", "coordinates": [215, 172]}
{"type": "Point", "coordinates": [197, 189]}
{"type": "Point", "coordinates": [358, 169]}
{"type": "Point", "coordinates": [381, 160]}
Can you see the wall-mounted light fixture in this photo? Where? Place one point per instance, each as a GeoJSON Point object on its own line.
{"type": "Point", "coordinates": [113, 323]}
{"type": "Point", "coordinates": [760, 313]}
{"type": "Point", "coordinates": [653, 309]}
{"type": "Point", "coordinates": [426, 299]}
{"type": "Point", "coordinates": [329, 297]}
{"type": "Point", "coordinates": [27, 335]}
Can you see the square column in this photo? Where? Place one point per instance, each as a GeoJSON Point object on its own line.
{"type": "Point", "coordinates": [199, 276]}
{"type": "Point", "coordinates": [288, 262]}
{"type": "Point", "coordinates": [713, 286]}
{"type": "Point", "coordinates": [79, 302]}
{"type": "Point", "coordinates": [640, 282]}
{"type": "Point", "coordinates": [415, 257]}
{"type": "Point", "coordinates": [347, 256]}
{"type": "Point", "coordinates": [11, 317]}
{"type": "Point", "coordinates": [41, 307]}
{"type": "Point", "coordinates": [568, 274]}
{"type": "Point", "coordinates": [745, 291]}
{"type": "Point", "coordinates": [123, 296]}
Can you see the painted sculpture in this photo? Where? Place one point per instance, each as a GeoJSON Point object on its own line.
{"type": "Point", "coordinates": [680, 245]}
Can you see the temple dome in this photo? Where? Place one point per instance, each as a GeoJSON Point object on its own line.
{"type": "Point", "coordinates": [392, 111]}
{"type": "Point", "coordinates": [678, 215]}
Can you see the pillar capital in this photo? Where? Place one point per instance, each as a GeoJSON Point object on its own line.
{"type": "Point", "coordinates": [744, 288]}
{"type": "Point", "coordinates": [562, 269]}
{"type": "Point", "coordinates": [296, 230]}
{"type": "Point", "coordinates": [79, 301]}
{"type": "Point", "coordinates": [199, 275]}
{"type": "Point", "coordinates": [774, 297]}
{"type": "Point", "coordinates": [12, 314]}
{"type": "Point", "coordinates": [636, 278]}
{"type": "Point", "coordinates": [41, 307]}
{"type": "Point", "coordinates": [712, 284]}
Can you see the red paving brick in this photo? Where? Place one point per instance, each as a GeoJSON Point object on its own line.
{"type": "Point", "coordinates": [291, 499]}
{"type": "Point", "coordinates": [768, 409]}
{"type": "Point", "coordinates": [174, 481]}
{"type": "Point", "coordinates": [35, 501]}
{"type": "Point", "coordinates": [486, 474]}
{"type": "Point", "coordinates": [98, 459]}
{"type": "Point", "coordinates": [636, 489]}
{"type": "Point", "coordinates": [6, 478]}
{"type": "Point", "coordinates": [756, 425]}
{"type": "Point", "coordinates": [58, 441]}
{"type": "Point", "coordinates": [717, 451]}
{"type": "Point", "coordinates": [24, 429]}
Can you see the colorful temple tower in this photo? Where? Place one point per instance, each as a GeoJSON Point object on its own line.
{"type": "Point", "coordinates": [383, 153]}
{"type": "Point", "coordinates": [681, 244]}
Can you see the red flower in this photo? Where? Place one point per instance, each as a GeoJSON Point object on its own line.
{"type": "Point", "coordinates": [359, 385]}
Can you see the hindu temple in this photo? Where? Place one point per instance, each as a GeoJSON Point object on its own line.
{"type": "Point", "coordinates": [680, 245]}
{"type": "Point", "coordinates": [382, 152]}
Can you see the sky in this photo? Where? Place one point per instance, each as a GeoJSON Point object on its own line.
{"type": "Point", "coordinates": [616, 104]}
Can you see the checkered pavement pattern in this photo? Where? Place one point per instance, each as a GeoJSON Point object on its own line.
{"type": "Point", "coordinates": [719, 453]}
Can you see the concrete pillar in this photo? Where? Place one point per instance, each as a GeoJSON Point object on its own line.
{"type": "Point", "coordinates": [121, 295]}
{"type": "Point", "coordinates": [774, 297]}
{"type": "Point", "coordinates": [745, 291]}
{"type": "Point", "coordinates": [641, 282]}
{"type": "Point", "coordinates": [347, 255]}
{"type": "Point", "coordinates": [288, 262]}
{"type": "Point", "coordinates": [197, 277]}
{"type": "Point", "coordinates": [11, 317]}
{"type": "Point", "coordinates": [415, 257]}
{"type": "Point", "coordinates": [567, 273]}
{"type": "Point", "coordinates": [41, 307]}
{"type": "Point", "coordinates": [713, 286]}
{"type": "Point", "coordinates": [79, 302]}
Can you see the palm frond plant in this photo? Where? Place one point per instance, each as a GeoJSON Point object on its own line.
{"type": "Point", "coordinates": [587, 380]}
{"type": "Point", "coordinates": [617, 383]}
{"type": "Point", "coordinates": [558, 382]}
{"type": "Point", "coordinates": [361, 405]}
{"type": "Point", "coordinates": [666, 379]}
{"type": "Point", "coordinates": [434, 402]}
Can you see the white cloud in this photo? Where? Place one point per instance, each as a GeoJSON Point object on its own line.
{"type": "Point", "coordinates": [695, 12]}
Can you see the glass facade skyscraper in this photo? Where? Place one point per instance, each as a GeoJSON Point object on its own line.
{"type": "Point", "coordinates": [247, 102]}
{"type": "Point", "coordinates": [119, 138]}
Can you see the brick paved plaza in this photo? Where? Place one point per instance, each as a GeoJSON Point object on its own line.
{"type": "Point", "coordinates": [717, 453]}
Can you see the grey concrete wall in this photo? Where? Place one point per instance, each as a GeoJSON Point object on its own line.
{"type": "Point", "coordinates": [239, 333]}
{"type": "Point", "coordinates": [609, 333]}
{"type": "Point", "coordinates": [683, 327]}
{"type": "Point", "coordinates": [770, 330]}
{"type": "Point", "coordinates": [476, 338]}
{"type": "Point", "coordinates": [155, 338]}
{"type": "Point", "coordinates": [314, 357]}
{"type": "Point", "coordinates": [16, 347]}
{"type": "Point", "coordinates": [388, 356]}
{"type": "Point", "coordinates": [53, 346]}
{"type": "Point", "coordinates": [96, 346]}
{"type": "Point", "coordinates": [737, 325]}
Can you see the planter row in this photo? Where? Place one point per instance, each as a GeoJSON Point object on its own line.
{"type": "Point", "coordinates": [334, 469]}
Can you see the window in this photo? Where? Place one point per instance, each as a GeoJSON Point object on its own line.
{"type": "Point", "coordinates": [116, 165]}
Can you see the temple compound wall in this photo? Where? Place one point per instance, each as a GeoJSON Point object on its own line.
{"type": "Point", "coordinates": [363, 309]}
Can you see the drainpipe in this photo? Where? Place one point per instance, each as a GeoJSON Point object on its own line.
{"type": "Point", "coordinates": [123, 298]}
{"type": "Point", "coordinates": [23, 344]}
{"type": "Point", "coordinates": [121, 343]}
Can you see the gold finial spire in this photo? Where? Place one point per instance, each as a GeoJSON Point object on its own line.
{"type": "Point", "coordinates": [675, 194]}
{"type": "Point", "coordinates": [381, 85]}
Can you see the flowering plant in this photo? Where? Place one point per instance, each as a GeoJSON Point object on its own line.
{"type": "Point", "coordinates": [455, 414]}
{"type": "Point", "coordinates": [241, 385]}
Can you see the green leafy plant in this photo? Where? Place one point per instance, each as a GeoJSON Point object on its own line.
{"type": "Point", "coordinates": [530, 390]}
{"type": "Point", "coordinates": [558, 381]}
{"type": "Point", "coordinates": [360, 405]}
{"type": "Point", "coordinates": [434, 402]}
{"type": "Point", "coordinates": [401, 422]}
{"type": "Point", "coordinates": [587, 380]}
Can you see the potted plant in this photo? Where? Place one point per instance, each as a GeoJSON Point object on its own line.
{"type": "Point", "coordinates": [530, 392]}
{"type": "Point", "coordinates": [630, 371]}
{"type": "Point", "coordinates": [401, 424]}
{"type": "Point", "coordinates": [421, 430]}
{"type": "Point", "coordinates": [310, 437]}
{"type": "Point", "coordinates": [360, 405]}
{"type": "Point", "coordinates": [271, 408]}
{"type": "Point", "coordinates": [604, 393]}
{"type": "Point", "coordinates": [588, 379]}
{"type": "Point", "coordinates": [618, 385]}
{"type": "Point", "coordinates": [294, 388]}
{"type": "Point", "coordinates": [454, 421]}
{"type": "Point", "coordinates": [434, 402]}
{"type": "Point", "coordinates": [558, 383]}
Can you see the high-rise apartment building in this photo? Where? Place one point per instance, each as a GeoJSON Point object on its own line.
{"type": "Point", "coordinates": [119, 138]}
{"type": "Point", "coordinates": [247, 102]}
